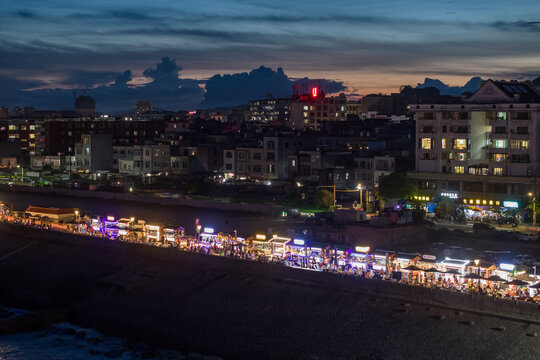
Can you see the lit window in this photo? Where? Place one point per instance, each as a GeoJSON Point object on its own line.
{"type": "Point", "coordinates": [460, 144]}
{"type": "Point", "coordinates": [426, 143]}
{"type": "Point", "coordinates": [459, 169]}
{"type": "Point", "coordinates": [501, 116]}
{"type": "Point", "coordinates": [499, 157]}
{"type": "Point", "coordinates": [461, 156]}
{"type": "Point", "coordinates": [497, 171]}
{"type": "Point", "coordinates": [500, 144]}
{"type": "Point", "coordinates": [519, 144]}
{"type": "Point", "coordinates": [443, 143]}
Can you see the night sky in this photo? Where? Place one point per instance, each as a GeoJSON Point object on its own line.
{"type": "Point", "coordinates": [166, 51]}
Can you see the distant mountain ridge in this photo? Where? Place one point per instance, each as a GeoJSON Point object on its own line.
{"type": "Point", "coordinates": [471, 86]}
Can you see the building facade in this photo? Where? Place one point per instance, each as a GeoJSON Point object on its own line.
{"type": "Point", "coordinates": [309, 111]}
{"type": "Point", "coordinates": [484, 149]}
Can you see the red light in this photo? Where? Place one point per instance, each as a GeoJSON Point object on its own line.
{"type": "Point", "coordinates": [314, 91]}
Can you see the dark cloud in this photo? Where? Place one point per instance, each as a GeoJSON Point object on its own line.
{"type": "Point", "coordinates": [471, 86]}
{"type": "Point", "coordinates": [128, 15]}
{"type": "Point", "coordinates": [123, 79]}
{"type": "Point", "coordinates": [527, 26]}
{"type": "Point", "coordinates": [26, 14]}
{"type": "Point", "coordinates": [89, 79]}
{"type": "Point", "coordinates": [166, 89]}
{"type": "Point", "coordinates": [240, 88]}
{"type": "Point", "coordinates": [165, 74]}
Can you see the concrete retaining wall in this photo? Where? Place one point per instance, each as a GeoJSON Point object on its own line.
{"type": "Point", "coordinates": [51, 241]}
{"type": "Point", "coordinates": [207, 204]}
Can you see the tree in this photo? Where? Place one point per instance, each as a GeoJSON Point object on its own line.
{"type": "Point", "coordinates": [445, 207]}
{"type": "Point", "coordinates": [324, 198]}
{"type": "Point", "coordinates": [396, 186]}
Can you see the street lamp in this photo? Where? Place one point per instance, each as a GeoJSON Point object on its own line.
{"type": "Point", "coordinates": [360, 188]}
{"type": "Point", "coordinates": [22, 172]}
{"type": "Point", "coordinates": [76, 215]}
{"type": "Point", "coordinates": [534, 207]}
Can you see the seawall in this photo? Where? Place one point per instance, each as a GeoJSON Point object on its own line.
{"type": "Point", "coordinates": [240, 309]}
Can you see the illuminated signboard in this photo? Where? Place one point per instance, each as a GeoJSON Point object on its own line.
{"type": "Point", "coordinates": [511, 204]}
{"type": "Point", "coordinates": [260, 237]}
{"type": "Point", "coordinates": [299, 242]}
{"type": "Point", "coordinates": [450, 195]}
{"type": "Point", "coordinates": [209, 230]}
{"type": "Point", "coordinates": [314, 92]}
{"type": "Point", "coordinates": [507, 267]}
{"type": "Point", "coordinates": [110, 218]}
{"type": "Point", "coordinates": [363, 249]}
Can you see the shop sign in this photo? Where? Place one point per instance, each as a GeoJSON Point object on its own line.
{"type": "Point", "coordinates": [451, 195]}
{"type": "Point", "coordinates": [507, 267]}
{"type": "Point", "coordinates": [510, 204]}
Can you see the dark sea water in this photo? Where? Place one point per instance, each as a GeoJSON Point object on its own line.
{"type": "Point", "coordinates": [64, 341]}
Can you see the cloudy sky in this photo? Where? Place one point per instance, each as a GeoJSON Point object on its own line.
{"type": "Point", "coordinates": [134, 48]}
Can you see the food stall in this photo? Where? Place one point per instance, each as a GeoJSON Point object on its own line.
{"type": "Point", "coordinates": [171, 234]}
{"type": "Point", "coordinates": [453, 267]}
{"type": "Point", "coordinates": [341, 255]}
{"type": "Point", "coordinates": [153, 233]}
{"type": "Point", "coordinates": [109, 227]}
{"type": "Point", "coordinates": [481, 267]}
{"type": "Point", "coordinates": [298, 250]}
{"type": "Point", "coordinates": [427, 262]}
{"type": "Point", "coordinates": [279, 247]}
{"type": "Point", "coordinates": [360, 257]}
{"type": "Point", "coordinates": [316, 255]}
{"type": "Point", "coordinates": [207, 238]}
{"type": "Point", "coordinates": [381, 260]}
{"type": "Point", "coordinates": [261, 245]}
{"type": "Point", "coordinates": [403, 260]}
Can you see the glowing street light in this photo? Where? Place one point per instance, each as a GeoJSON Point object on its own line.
{"type": "Point", "coordinates": [359, 187]}
{"type": "Point", "coordinates": [534, 207]}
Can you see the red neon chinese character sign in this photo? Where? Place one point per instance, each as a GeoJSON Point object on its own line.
{"type": "Point", "coordinates": [314, 91]}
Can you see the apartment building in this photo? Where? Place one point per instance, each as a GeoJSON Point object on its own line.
{"type": "Point", "coordinates": [94, 153]}
{"type": "Point", "coordinates": [309, 111]}
{"type": "Point", "coordinates": [270, 110]}
{"type": "Point", "coordinates": [482, 149]}
{"type": "Point", "coordinates": [142, 159]}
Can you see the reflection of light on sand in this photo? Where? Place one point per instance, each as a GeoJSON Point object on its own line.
{"type": "Point", "coordinates": [65, 341]}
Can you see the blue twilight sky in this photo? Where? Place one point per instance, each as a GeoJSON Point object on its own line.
{"type": "Point", "coordinates": [362, 46]}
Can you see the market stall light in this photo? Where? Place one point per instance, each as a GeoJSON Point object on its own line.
{"type": "Point", "coordinates": [484, 202]}
{"type": "Point", "coordinates": [490, 202]}
{"type": "Point", "coordinates": [497, 203]}
{"type": "Point", "coordinates": [110, 218]}
{"type": "Point", "coordinates": [464, 201]}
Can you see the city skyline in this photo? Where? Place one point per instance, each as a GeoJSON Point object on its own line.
{"type": "Point", "coordinates": [370, 49]}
